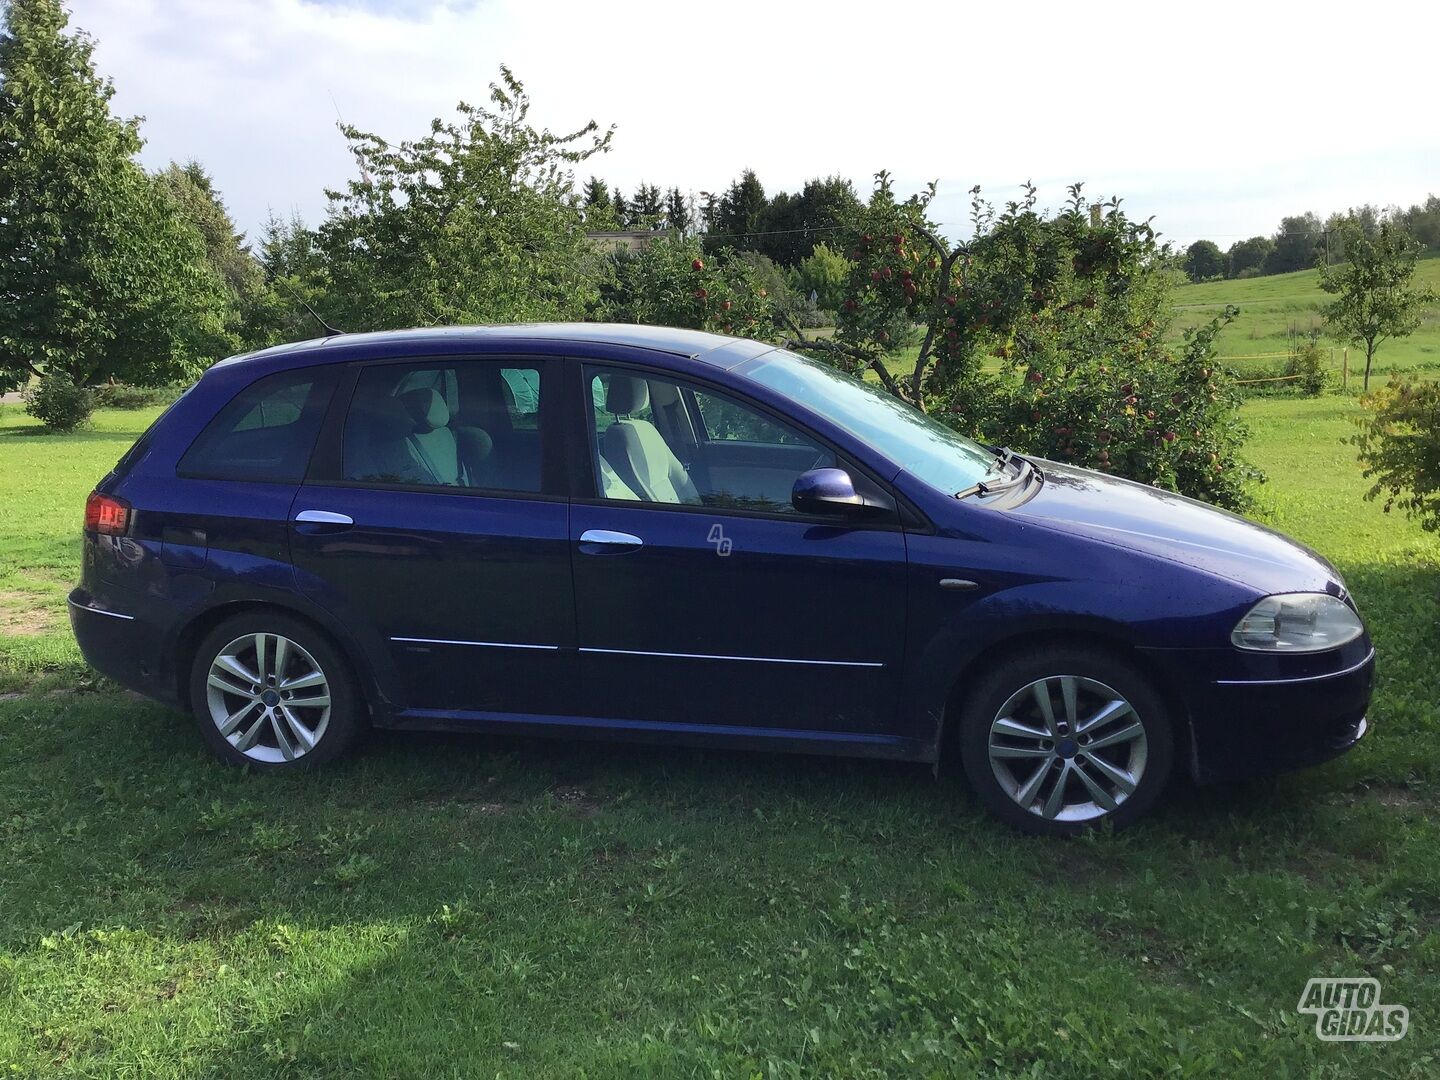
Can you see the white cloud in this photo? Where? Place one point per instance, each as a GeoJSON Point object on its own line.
{"type": "Point", "coordinates": [1216, 118]}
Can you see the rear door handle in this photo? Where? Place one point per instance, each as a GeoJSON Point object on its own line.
{"type": "Point", "coordinates": [607, 542]}
{"type": "Point", "coordinates": [327, 519]}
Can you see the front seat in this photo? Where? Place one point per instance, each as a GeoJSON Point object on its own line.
{"type": "Point", "coordinates": [642, 459]}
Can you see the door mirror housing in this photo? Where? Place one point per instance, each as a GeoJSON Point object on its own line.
{"type": "Point", "coordinates": [831, 493]}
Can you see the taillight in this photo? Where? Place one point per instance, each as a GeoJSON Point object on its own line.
{"type": "Point", "coordinates": [106, 515]}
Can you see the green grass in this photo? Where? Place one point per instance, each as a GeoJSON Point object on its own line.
{"type": "Point", "coordinates": [449, 907]}
{"type": "Point", "coordinates": [1271, 306]}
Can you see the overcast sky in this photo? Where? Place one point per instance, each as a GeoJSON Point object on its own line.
{"type": "Point", "coordinates": [1216, 118]}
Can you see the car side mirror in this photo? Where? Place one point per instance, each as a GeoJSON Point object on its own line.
{"type": "Point", "coordinates": [830, 492]}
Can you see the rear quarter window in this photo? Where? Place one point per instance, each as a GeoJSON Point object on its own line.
{"type": "Point", "coordinates": [267, 431]}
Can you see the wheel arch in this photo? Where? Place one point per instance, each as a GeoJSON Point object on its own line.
{"type": "Point", "coordinates": [1100, 639]}
{"type": "Point", "coordinates": [193, 632]}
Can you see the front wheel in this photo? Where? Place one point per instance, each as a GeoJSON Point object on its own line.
{"type": "Point", "coordinates": [271, 691]}
{"type": "Point", "coordinates": [1063, 739]}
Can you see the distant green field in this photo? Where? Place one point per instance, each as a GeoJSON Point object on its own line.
{"type": "Point", "coordinates": [1255, 344]}
{"type": "Point", "coordinates": [1270, 307]}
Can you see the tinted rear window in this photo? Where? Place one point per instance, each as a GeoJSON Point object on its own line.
{"type": "Point", "coordinates": [266, 432]}
{"type": "Point", "coordinates": [141, 445]}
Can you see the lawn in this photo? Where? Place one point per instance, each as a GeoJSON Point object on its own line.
{"type": "Point", "coordinates": [449, 907]}
{"type": "Point", "coordinates": [1270, 307]}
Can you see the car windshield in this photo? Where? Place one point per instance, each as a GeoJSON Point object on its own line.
{"type": "Point", "coordinates": [927, 449]}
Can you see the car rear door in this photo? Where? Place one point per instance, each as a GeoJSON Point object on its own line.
{"type": "Point", "coordinates": [435, 517]}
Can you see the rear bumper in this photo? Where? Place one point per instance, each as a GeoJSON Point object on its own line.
{"type": "Point", "coordinates": [1249, 717]}
{"type": "Point", "coordinates": [121, 644]}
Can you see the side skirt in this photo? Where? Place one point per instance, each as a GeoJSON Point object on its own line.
{"type": "Point", "coordinates": [716, 736]}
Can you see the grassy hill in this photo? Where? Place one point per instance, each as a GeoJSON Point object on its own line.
{"type": "Point", "coordinates": [1270, 307]}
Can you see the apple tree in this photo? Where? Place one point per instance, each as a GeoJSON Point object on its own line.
{"type": "Point", "coordinates": [672, 281]}
{"type": "Point", "coordinates": [1399, 441]}
{"type": "Point", "coordinates": [1043, 332]}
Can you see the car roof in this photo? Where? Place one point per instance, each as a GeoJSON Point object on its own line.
{"type": "Point", "coordinates": [711, 349]}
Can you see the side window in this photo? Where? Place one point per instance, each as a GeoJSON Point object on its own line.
{"type": "Point", "coordinates": [267, 432]}
{"type": "Point", "coordinates": [658, 440]}
{"type": "Point", "coordinates": [466, 424]}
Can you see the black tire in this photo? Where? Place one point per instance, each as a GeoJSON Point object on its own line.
{"type": "Point", "coordinates": [334, 730]}
{"type": "Point", "coordinates": [1073, 767]}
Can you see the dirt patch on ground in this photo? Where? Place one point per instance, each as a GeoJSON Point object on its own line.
{"type": "Point", "coordinates": [577, 800]}
{"type": "Point", "coordinates": [1406, 800]}
{"type": "Point", "coordinates": [24, 614]}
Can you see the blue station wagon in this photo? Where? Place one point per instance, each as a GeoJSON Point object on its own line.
{"type": "Point", "coordinates": [664, 535]}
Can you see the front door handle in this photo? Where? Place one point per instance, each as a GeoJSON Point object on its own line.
{"type": "Point", "coordinates": [608, 542]}
{"type": "Point", "coordinates": [327, 520]}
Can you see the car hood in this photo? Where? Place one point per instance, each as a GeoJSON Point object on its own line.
{"type": "Point", "coordinates": [1173, 527]}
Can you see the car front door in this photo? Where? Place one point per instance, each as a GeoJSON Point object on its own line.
{"type": "Point", "coordinates": [437, 522]}
{"type": "Point", "coordinates": [703, 599]}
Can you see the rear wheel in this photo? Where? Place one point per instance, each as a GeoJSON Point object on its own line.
{"type": "Point", "coordinates": [271, 691]}
{"type": "Point", "coordinates": [1065, 738]}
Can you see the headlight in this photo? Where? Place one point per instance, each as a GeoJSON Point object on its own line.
{"type": "Point", "coordinates": [1297, 622]}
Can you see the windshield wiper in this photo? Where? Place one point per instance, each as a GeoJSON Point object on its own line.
{"type": "Point", "coordinates": [1003, 456]}
{"type": "Point", "coordinates": [990, 487]}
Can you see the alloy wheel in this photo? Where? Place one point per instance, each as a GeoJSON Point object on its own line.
{"type": "Point", "coordinates": [268, 697]}
{"type": "Point", "coordinates": [1068, 748]}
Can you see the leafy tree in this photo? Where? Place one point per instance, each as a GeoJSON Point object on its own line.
{"type": "Point", "coordinates": [646, 207]}
{"type": "Point", "coordinates": [101, 276]}
{"type": "Point", "coordinates": [1076, 312]}
{"type": "Point", "coordinates": [1376, 296]}
{"type": "Point", "coordinates": [824, 272]}
{"type": "Point", "coordinates": [739, 213]}
{"type": "Point", "coordinates": [192, 193]}
{"type": "Point", "coordinates": [598, 209]}
{"type": "Point", "coordinates": [1296, 245]}
{"type": "Point", "coordinates": [793, 224]}
{"type": "Point", "coordinates": [1204, 261]}
{"type": "Point", "coordinates": [673, 282]}
{"type": "Point", "coordinates": [1422, 222]}
{"type": "Point", "coordinates": [1247, 255]}
{"type": "Point", "coordinates": [678, 213]}
{"type": "Point", "coordinates": [295, 275]}
{"type": "Point", "coordinates": [474, 222]}
{"type": "Point", "coordinates": [768, 277]}
{"type": "Point", "coordinates": [1399, 445]}
{"type": "Point", "coordinates": [595, 193]}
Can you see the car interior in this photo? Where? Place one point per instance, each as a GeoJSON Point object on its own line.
{"type": "Point", "coordinates": [655, 440]}
{"type": "Point", "coordinates": [661, 441]}
{"type": "Point", "coordinates": [462, 426]}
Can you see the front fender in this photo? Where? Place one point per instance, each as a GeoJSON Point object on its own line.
{"type": "Point", "coordinates": [1132, 603]}
{"type": "Point", "coordinates": [989, 625]}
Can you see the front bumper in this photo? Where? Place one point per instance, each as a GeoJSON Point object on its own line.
{"type": "Point", "coordinates": [1251, 715]}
